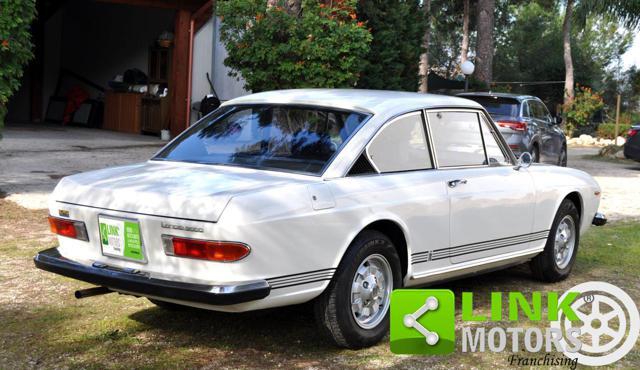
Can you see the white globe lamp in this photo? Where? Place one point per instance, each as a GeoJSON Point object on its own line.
{"type": "Point", "coordinates": [467, 68]}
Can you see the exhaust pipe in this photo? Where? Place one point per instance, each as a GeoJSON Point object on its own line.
{"type": "Point", "coordinates": [86, 293]}
{"type": "Point", "coordinates": [599, 219]}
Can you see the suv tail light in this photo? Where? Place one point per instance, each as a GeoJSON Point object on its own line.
{"type": "Point", "coordinates": [204, 249]}
{"type": "Point", "coordinates": [632, 132]}
{"type": "Point", "coordinates": [514, 125]}
{"type": "Point", "coordinates": [69, 228]}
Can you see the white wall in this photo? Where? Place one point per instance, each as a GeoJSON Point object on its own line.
{"type": "Point", "coordinates": [207, 57]}
{"type": "Point", "coordinates": [227, 87]}
{"type": "Point", "coordinates": [202, 61]}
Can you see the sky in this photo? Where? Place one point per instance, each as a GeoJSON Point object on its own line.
{"type": "Point", "coordinates": [632, 56]}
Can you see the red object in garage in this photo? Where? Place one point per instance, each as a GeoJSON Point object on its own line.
{"type": "Point", "coordinates": [75, 97]}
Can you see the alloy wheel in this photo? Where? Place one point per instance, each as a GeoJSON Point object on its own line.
{"type": "Point", "coordinates": [565, 241]}
{"type": "Point", "coordinates": [371, 291]}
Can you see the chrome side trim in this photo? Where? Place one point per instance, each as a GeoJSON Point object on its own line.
{"type": "Point", "coordinates": [301, 278]}
{"type": "Point", "coordinates": [479, 262]}
{"type": "Point", "coordinates": [460, 250]}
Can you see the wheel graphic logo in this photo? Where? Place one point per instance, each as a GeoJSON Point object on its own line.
{"type": "Point", "coordinates": [609, 323]}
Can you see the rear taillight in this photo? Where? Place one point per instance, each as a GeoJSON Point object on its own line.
{"type": "Point", "coordinates": [632, 132]}
{"type": "Point", "coordinates": [204, 249]}
{"type": "Point", "coordinates": [69, 228]}
{"type": "Point", "coordinates": [514, 125]}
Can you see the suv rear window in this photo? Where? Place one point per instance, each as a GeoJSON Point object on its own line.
{"type": "Point", "coordinates": [497, 106]}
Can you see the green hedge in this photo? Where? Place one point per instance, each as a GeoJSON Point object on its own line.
{"type": "Point", "coordinates": [15, 46]}
{"type": "Point", "coordinates": [607, 130]}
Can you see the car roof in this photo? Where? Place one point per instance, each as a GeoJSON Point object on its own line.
{"type": "Point", "coordinates": [370, 101]}
{"type": "Point", "coordinates": [498, 94]}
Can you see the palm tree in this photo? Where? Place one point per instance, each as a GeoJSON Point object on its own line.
{"type": "Point", "coordinates": [568, 61]}
{"type": "Point", "coordinates": [424, 57]}
{"type": "Point", "coordinates": [464, 49]}
{"type": "Point", "coordinates": [484, 49]}
{"type": "Point", "coordinates": [627, 12]}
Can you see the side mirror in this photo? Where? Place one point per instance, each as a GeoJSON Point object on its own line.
{"type": "Point", "coordinates": [524, 161]}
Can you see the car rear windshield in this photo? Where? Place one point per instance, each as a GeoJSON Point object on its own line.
{"type": "Point", "coordinates": [498, 106]}
{"type": "Point", "coordinates": [278, 137]}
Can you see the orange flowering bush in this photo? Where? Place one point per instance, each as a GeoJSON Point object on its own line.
{"type": "Point", "coordinates": [581, 109]}
{"type": "Point", "coordinates": [271, 48]}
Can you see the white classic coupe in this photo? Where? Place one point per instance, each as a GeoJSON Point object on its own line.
{"type": "Point", "coordinates": [336, 196]}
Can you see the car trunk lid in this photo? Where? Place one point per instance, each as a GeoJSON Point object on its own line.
{"type": "Point", "coordinates": [165, 189]}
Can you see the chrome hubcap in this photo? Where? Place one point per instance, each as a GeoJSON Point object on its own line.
{"type": "Point", "coordinates": [565, 242]}
{"type": "Point", "coordinates": [371, 290]}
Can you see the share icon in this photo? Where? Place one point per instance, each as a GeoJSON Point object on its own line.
{"type": "Point", "coordinates": [411, 320]}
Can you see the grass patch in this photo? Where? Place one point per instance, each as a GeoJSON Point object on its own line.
{"type": "Point", "coordinates": [615, 247]}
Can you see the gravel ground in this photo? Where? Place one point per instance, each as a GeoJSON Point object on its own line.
{"type": "Point", "coordinates": [619, 180]}
{"type": "Point", "coordinates": [34, 157]}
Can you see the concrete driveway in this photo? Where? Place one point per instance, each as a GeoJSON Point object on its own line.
{"type": "Point", "coordinates": [34, 157]}
{"type": "Point", "coordinates": [619, 180]}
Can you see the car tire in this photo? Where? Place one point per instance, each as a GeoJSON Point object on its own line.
{"type": "Point", "coordinates": [168, 305]}
{"type": "Point", "coordinates": [535, 154]}
{"type": "Point", "coordinates": [336, 314]}
{"type": "Point", "coordinates": [559, 255]}
{"type": "Point", "coordinates": [562, 160]}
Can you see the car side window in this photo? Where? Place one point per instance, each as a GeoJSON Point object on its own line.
{"type": "Point", "coordinates": [457, 139]}
{"type": "Point", "coordinates": [494, 151]}
{"type": "Point", "coordinates": [533, 111]}
{"type": "Point", "coordinates": [538, 110]}
{"type": "Point", "coordinates": [545, 111]}
{"type": "Point", "coordinates": [401, 145]}
{"type": "Point", "coordinates": [525, 109]}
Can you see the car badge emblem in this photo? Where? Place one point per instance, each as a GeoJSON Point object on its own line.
{"type": "Point", "coordinates": [180, 227]}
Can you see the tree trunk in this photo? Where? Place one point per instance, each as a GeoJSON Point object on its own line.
{"type": "Point", "coordinates": [424, 57]}
{"type": "Point", "coordinates": [464, 50]}
{"type": "Point", "coordinates": [293, 6]}
{"type": "Point", "coordinates": [484, 50]}
{"type": "Point", "coordinates": [568, 61]}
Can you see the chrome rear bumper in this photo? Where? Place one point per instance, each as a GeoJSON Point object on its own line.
{"type": "Point", "coordinates": [138, 282]}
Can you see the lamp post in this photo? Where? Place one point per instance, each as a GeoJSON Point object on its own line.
{"type": "Point", "coordinates": [467, 68]}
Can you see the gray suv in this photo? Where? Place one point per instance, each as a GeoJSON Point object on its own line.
{"type": "Point", "coordinates": [526, 124]}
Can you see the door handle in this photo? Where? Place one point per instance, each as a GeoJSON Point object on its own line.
{"type": "Point", "coordinates": [454, 183]}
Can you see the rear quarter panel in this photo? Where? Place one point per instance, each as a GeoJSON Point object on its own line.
{"type": "Point", "coordinates": [289, 236]}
